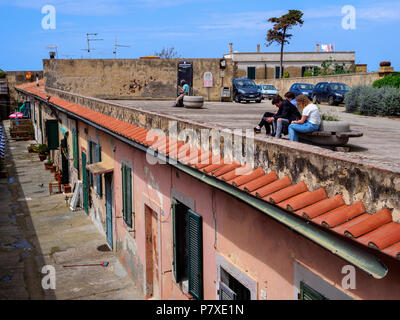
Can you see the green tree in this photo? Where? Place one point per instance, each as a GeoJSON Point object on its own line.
{"type": "Point", "coordinates": [279, 33]}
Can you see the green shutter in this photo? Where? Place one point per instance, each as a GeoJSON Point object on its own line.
{"type": "Point", "coordinates": [308, 293]}
{"type": "Point", "coordinates": [195, 255]}
{"type": "Point", "coordinates": [75, 147]}
{"type": "Point", "coordinates": [52, 134]}
{"type": "Point", "coordinates": [226, 293]}
{"type": "Point", "coordinates": [99, 185]}
{"type": "Point", "coordinates": [129, 197]}
{"type": "Point", "coordinates": [176, 228]}
{"type": "Point", "coordinates": [123, 191]}
{"type": "Point", "coordinates": [90, 161]}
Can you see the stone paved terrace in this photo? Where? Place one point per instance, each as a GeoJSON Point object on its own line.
{"type": "Point", "coordinates": [380, 143]}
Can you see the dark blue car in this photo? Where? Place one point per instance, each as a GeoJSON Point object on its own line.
{"type": "Point", "coordinates": [302, 88]}
{"type": "Point", "coordinates": [331, 92]}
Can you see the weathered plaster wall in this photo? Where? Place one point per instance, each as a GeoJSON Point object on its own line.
{"type": "Point", "coordinates": [356, 79]}
{"type": "Point", "coordinates": [134, 78]}
{"type": "Point", "coordinates": [375, 183]}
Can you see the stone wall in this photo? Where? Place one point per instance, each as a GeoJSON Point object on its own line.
{"type": "Point", "coordinates": [354, 79]}
{"type": "Point", "coordinates": [357, 179]}
{"type": "Point", "coordinates": [15, 78]}
{"type": "Point", "coordinates": [133, 78]}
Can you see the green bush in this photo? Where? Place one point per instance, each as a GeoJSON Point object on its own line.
{"type": "Point", "coordinates": [365, 100]}
{"type": "Point", "coordinates": [2, 74]}
{"type": "Point", "coordinates": [392, 80]}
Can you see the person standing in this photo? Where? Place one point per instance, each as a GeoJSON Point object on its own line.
{"type": "Point", "coordinates": [310, 120]}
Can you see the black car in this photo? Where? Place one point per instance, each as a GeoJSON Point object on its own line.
{"type": "Point", "coordinates": [246, 90]}
{"type": "Point", "coordinates": [302, 88]}
{"type": "Point", "coordinates": [331, 92]}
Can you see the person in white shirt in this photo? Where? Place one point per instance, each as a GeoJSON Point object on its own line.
{"type": "Point", "coordinates": [310, 120]}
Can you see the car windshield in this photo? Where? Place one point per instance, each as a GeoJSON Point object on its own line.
{"type": "Point", "coordinates": [246, 84]}
{"type": "Point", "coordinates": [305, 86]}
{"type": "Point", "coordinates": [339, 87]}
{"type": "Point", "coordinates": [268, 87]}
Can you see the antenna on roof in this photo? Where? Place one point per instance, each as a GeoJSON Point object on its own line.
{"type": "Point", "coordinates": [116, 45]}
{"type": "Point", "coordinates": [88, 42]}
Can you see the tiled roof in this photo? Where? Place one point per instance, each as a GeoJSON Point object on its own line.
{"type": "Point", "coordinates": [377, 231]}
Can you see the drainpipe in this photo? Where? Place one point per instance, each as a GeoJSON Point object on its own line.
{"type": "Point", "coordinates": [356, 256]}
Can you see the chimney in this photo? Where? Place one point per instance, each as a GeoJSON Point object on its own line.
{"type": "Point", "coordinates": [317, 47]}
{"type": "Point", "coordinates": [258, 48]}
{"type": "Point", "coordinates": [230, 47]}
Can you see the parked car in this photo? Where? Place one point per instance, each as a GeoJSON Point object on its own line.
{"type": "Point", "coordinates": [245, 90]}
{"type": "Point", "coordinates": [302, 88]}
{"type": "Point", "coordinates": [331, 92]}
{"type": "Point", "coordinates": [268, 91]}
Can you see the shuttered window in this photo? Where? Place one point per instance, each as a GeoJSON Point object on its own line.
{"type": "Point", "coordinates": [225, 292]}
{"type": "Point", "coordinates": [91, 143]}
{"type": "Point", "coordinates": [179, 218]}
{"type": "Point", "coordinates": [75, 147]}
{"type": "Point", "coordinates": [308, 293]}
{"type": "Point", "coordinates": [195, 254]}
{"type": "Point", "coordinates": [99, 185]}
{"type": "Point", "coordinates": [126, 174]}
{"type": "Point", "coordinates": [52, 134]}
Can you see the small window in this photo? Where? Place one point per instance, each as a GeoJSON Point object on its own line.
{"type": "Point", "coordinates": [126, 174]}
{"type": "Point", "coordinates": [232, 289]}
{"type": "Point", "coordinates": [308, 293]}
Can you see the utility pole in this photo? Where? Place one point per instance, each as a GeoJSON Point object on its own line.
{"type": "Point", "coordinates": [88, 42]}
{"type": "Point", "coordinates": [116, 45]}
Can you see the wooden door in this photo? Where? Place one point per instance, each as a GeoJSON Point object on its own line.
{"type": "Point", "coordinates": [152, 267]}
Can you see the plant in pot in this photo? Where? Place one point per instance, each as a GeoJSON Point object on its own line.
{"type": "Point", "coordinates": [32, 148]}
{"type": "Point", "coordinates": [43, 151]}
{"type": "Point", "coordinates": [48, 164]}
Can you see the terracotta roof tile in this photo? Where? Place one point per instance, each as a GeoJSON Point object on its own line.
{"type": "Point", "coordinates": [374, 221]}
{"type": "Point", "coordinates": [273, 187]}
{"type": "Point", "coordinates": [393, 250]}
{"type": "Point", "coordinates": [303, 200]}
{"type": "Point", "coordinates": [260, 182]}
{"type": "Point", "coordinates": [287, 193]}
{"type": "Point", "coordinates": [377, 231]}
{"type": "Point", "coordinates": [341, 215]}
{"type": "Point", "coordinates": [382, 237]}
{"type": "Point", "coordinates": [321, 207]}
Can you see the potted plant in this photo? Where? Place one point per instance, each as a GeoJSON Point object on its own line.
{"type": "Point", "coordinates": [48, 163]}
{"type": "Point", "coordinates": [43, 151]}
{"type": "Point", "coordinates": [32, 148]}
{"type": "Point", "coordinates": [385, 64]}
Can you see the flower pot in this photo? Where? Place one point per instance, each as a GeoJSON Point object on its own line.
{"type": "Point", "coordinates": [42, 157]}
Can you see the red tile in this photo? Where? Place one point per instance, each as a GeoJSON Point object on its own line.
{"type": "Point", "coordinates": [304, 200]}
{"type": "Point", "coordinates": [340, 215]}
{"type": "Point", "coordinates": [216, 163]}
{"type": "Point", "coordinates": [343, 227]}
{"type": "Point", "coordinates": [287, 193]}
{"type": "Point", "coordinates": [373, 222]}
{"type": "Point", "coordinates": [321, 207]}
{"type": "Point", "coordinates": [382, 237]}
{"type": "Point", "coordinates": [273, 187]}
{"type": "Point", "coordinates": [225, 169]}
{"type": "Point", "coordinates": [248, 178]}
{"type": "Point", "coordinates": [393, 250]}
{"type": "Point", "coordinates": [260, 182]}
{"type": "Point", "coordinates": [238, 172]}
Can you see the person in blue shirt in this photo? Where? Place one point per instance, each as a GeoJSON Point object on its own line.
{"type": "Point", "coordinates": [291, 97]}
{"type": "Point", "coordinates": [184, 91]}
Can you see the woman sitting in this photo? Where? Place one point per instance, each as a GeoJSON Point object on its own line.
{"type": "Point", "coordinates": [310, 120]}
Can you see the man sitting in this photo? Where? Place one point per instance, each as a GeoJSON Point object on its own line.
{"type": "Point", "coordinates": [280, 121]}
{"type": "Point", "coordinates": [183, 91]}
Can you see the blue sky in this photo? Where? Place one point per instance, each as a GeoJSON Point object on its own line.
{"type": "Point", "coordinates": [196, 28]}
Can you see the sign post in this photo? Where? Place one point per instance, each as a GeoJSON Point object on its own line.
{"type": "Point", "coordinates": [208, 82]}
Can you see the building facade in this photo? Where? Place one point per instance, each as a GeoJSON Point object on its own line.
{"type": "Point", "coordinates": [202, 231]}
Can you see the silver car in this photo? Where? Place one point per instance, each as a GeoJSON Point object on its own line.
{"type": "Point", "coordinates": [268, 91]}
